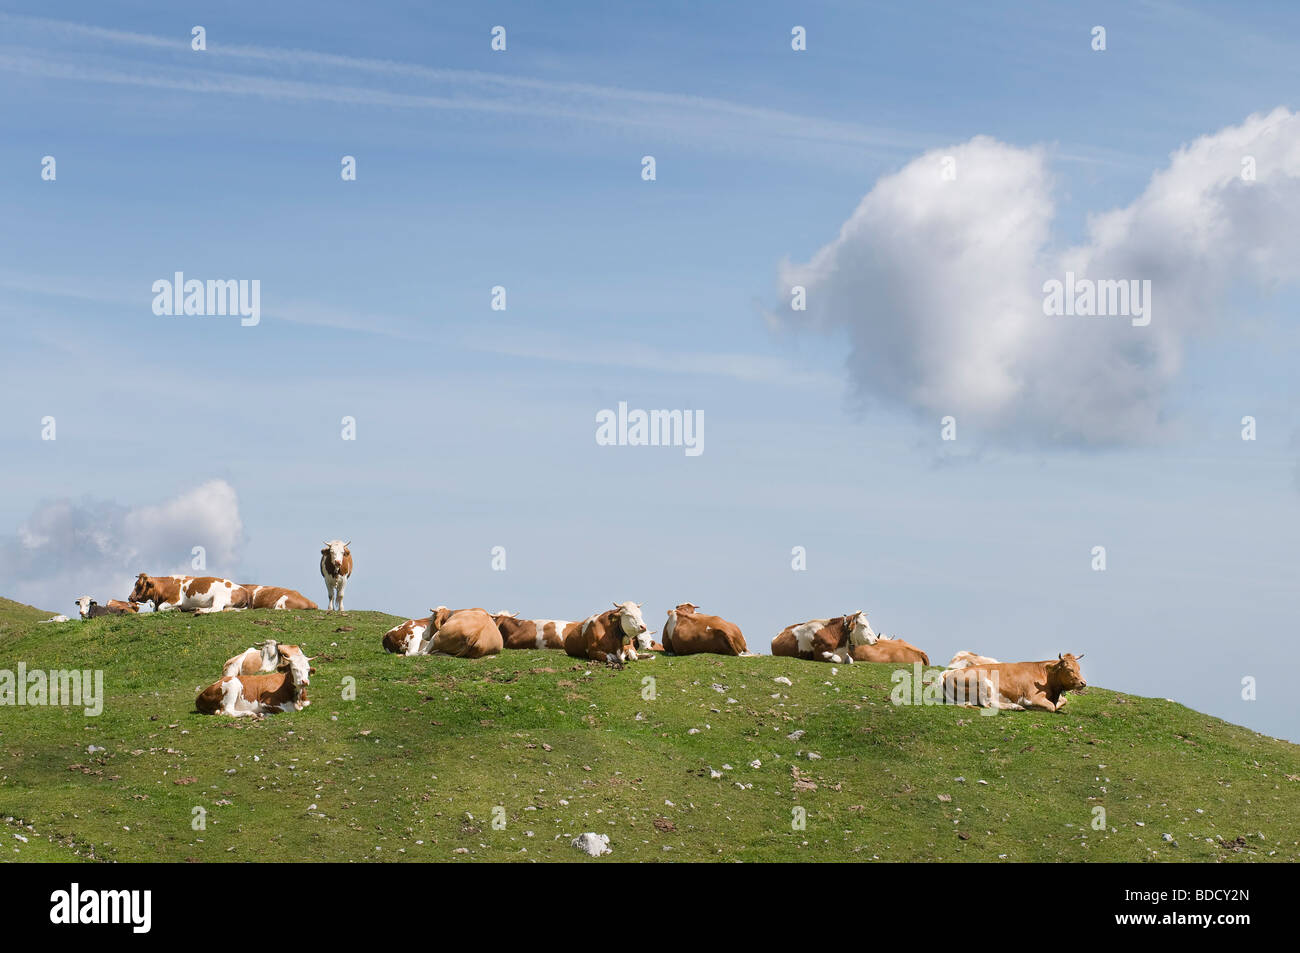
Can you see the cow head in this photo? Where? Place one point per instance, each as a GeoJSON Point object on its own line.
{"type": "Point", "coordinates": [859, 629]}
{"type": "Point", "coordinates": [334, 550]}
{"type": "Point", "coordinates": [437, 619]}
{"type": "Point", "coordinates": [632, 626]}
{"type": "Point", "coordinates": [1065, 673]}
{"type": "Point", "coordinates": [83, 605]}
{"type": "Point", "coordinates": [143, 590]}
{"type": "Point", "coordinates": [296, 663]}
{"type": "Point", "coordinates": [686, 608]}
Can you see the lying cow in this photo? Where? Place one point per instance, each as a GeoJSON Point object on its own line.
{"type": "Point", "coordinates": [90, 609]}
{"type": "Point", "coordinates": [1014, 685]}
{"type": "Point", "coordinates": [406, 638]}
{"type": "Point", "coordinates": [519, 633]}
{"type": "Point", "coordinates": [262, 657]}
{"type": "Point", "coordinates": [464, 633]}
{"type": "Point", "coordinates": [241, 695]}
{"type": "Point", "coordinates": [336, 569]}
{"type": "Point", "coordinates": [688, 632]}
{"type": "Point", "coordinates": [885, 649]}
{"type": "Point", "coordinates": [829, 640]}
{"type": "Point", "coordinates": [610, 636]}
{"type": "Point", "coordinates": [966, 659]}
{"type": "Point", "coordinates": [132, 607]}
{"type": "Point", "coordinates": [199, 594]}
{"type": "Point", "coordinates": [270, 597]}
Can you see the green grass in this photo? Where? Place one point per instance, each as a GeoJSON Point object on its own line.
{"type": "Point", "coordinates": [413, 768]}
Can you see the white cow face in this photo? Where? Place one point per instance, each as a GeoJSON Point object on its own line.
{"type": "Point", "coordinates": [336, 548]}
{"type": "Point", "coordinates": [860, 630]}
{"type": "Point", "coordinates": [297, 662]}
{"type": "Point", "coordinates": [633, 624]}
{"type": "Point", "coordinates": [83, 605]}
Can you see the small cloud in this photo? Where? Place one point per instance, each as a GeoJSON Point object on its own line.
{"type": "Point", "coordinates": [69, 548]}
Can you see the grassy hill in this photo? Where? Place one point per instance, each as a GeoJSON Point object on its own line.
{"type": "Point", "coordinates": [414, 766]}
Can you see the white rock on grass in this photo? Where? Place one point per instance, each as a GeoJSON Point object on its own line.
{"type": "Point", "coordinates": [782, 680]}
{"type": "Point", "coordinates": [592, 844]}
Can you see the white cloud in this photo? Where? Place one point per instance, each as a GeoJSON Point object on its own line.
{"type": "Point", "coordinates": [939, 284]}
{"type": "Point", "coordinates": [67, 548]}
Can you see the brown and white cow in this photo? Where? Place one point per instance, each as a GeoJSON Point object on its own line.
{"type": "Point", "coordinates": [1014, 685]}
{"type": "Point", "coordinates": [270, 597]}
{"type": "Point", "coordinates": [335, 569]}
{"type": "Point", "coordinates": [886, 649]}
{"type": "Point", "coordinates": [517, 633]}
{"type": "Point", "coordinates": [688, 632]}
{"type": "Point", "coordinates": [823, 639]}
{"type": "Point", "coordinates": [262, 657]}
{"type": "Point", "coordinates": [131, 607]}
{"type": "Point", "coordinates": [614, 635]}
{"type": "Point", "coordinates": [406, 638]}
{"type": "Point", "coordinates": [199, 594]}
{"type": "Point", "coordinates": [241, 695]}
{"type": "Point", "coordinates": [464, 633]}
{"type": "Point", "coordinates": [964, 659]}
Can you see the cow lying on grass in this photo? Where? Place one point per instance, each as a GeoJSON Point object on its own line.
{"type": "Point", "coordinates": [406, 638]}
{"type": "Point", "coordinates": [262, 657]}
{"type": "Point", "coordinates": [200, 594]}
{"type": "Point", "coordinates": [885, 649]}
{"type": "Point", "coordinates": [517, 633]}
{"type": "Point", "coordinates": [90, 609]}
{"type": "Point", "coordinates": [241, 695]}
{"type": "Point", "coordinates": [823, 639]}
{"type": "Point", "coordinates": [610, 636]}
{"type": "Point", "coordinates": [463, 633]}
{"type": "Point", "coordinates": [1014, 685]}
{"type": "Point", "coordinates": [688, 632]}
{"type": "Point", "coordinates": [966, 659]}
{"type": "Point", "coordinates": [250, 596]}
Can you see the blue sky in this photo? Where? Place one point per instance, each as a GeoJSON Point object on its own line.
{"type": "Point", "coordinates": [522, 169]}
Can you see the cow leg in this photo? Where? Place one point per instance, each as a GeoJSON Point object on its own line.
{"type": "Point", "coordinates": [1039, 702]}
{"type": "Point", "coordinates": [342, 585]}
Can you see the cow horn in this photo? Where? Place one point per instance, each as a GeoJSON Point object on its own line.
{"type": "Point", "coordinates": [347, 544]}
{"type": "Point", "coordinates": [618, 605]}
{"type": "Point", "coordinates": [1077, 657]}
{"type": "Point", "coordinates": [640, 604]}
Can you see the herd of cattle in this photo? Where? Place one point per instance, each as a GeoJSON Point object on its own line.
{"type": "Point", "coordinates": [270, 677]}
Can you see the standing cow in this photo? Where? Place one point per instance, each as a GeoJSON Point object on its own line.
{"type": "Point", "coordinates": [610, 636]}
{"type": "Point", "coordinates": [688, 632]}
{"type": "Point", "coordinates": [335, 568]}
{"type": "Point", "coordinates": [828, 640]}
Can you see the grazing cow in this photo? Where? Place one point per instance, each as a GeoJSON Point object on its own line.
{"type": "Point", "coordinates": [1015, 685]}
{"type": "Point", "coordinates": [132, 607]}
{"type": "Point", "coordinates": [199, 594]}
{"type": "Point", "coordinates": [335, 568]}
{"type": "Point", "coordinates": [262, 657]}
{"type": "Point", "coordinates": [688, 632]}
{"type": "Point", "coordinates": [964, 659]}
{"type": "Point", "coordinates": [405, 639]}
{"type": "Point", "coordinates": [241, 695]}
{"type": "Point", "coordinates": [464, 633]}
{"type": "Point", "coordinates": [885, 649]}
{"type": "Point", "coordinates": [822, 639]}
{"type": "Point", "coordinates": [90, 609]}
{"type": "Point", "coordinates": [270, 597]}
{"type": "Point", "coordinates": [610, 636]}
{"type": "Point", "coordinates": [519, 633]}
